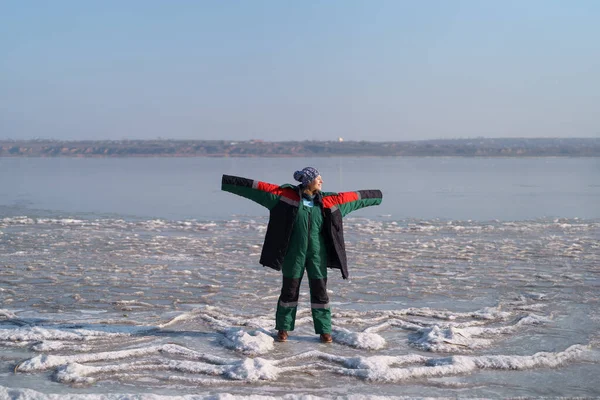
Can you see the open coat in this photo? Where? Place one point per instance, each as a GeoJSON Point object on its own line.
{"type": "Point", "coordinates": [283, 203]}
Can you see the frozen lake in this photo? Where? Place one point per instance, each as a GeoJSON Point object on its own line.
{"type": "Point", "coordinates": [479, 189]}
{"type": "Point", "coordinates": [474, 278]}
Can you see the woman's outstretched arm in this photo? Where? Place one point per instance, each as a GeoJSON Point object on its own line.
{"type": "Point", "coordinates": [263, 193]}
{"type": "Point", "coordinates": [347, 202]}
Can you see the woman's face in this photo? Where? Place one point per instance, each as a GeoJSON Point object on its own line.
{"type": "Point", "coordinates": [316, 184]}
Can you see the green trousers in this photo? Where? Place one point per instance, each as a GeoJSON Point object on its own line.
{"type": "Point", "coordinates": [285, 317]}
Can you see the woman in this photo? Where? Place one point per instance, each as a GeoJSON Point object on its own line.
{"type": "Point", "coordinates": [304, 233]}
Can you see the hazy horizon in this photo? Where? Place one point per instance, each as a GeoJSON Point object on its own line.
{"type": "Point", "coordinates": [302, 140]}
{"type": "Point", "coordinates": [373, 71]}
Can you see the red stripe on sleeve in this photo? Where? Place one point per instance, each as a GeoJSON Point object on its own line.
{"type": "Point", "coordinates": [277, 190]}
{"type": "Point", "coordinates": [269, 187]}
{"type": "Point", "coordinates": [340, 198]}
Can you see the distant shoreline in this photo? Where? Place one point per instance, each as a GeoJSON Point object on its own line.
{"type": "Point", "coordinates": [479, 147]}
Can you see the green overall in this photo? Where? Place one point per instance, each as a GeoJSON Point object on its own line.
{"type": "Point", "coordinates": [306, 252]}
{"type": "Point", "coordinates": [307, 248]}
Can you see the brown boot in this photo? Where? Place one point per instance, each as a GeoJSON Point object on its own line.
{"type": "Point", "coordinates": [282, 336]}
{"type": "Point", "coordinates": [326, 338]}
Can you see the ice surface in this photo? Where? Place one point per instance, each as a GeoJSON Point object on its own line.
{"type": "Point", "coordinates": [461, 337]}
{"type": "Point", "coordinates": [253, 343]}
{"type": "Point", "coordinates": [77, 369]}
{"type": "Point", "coordinates": [432, 308]}
{"type": "Point", "coordinates": [5, 314]}
{"type": "Point", "coordinates": [360, 340]}
{"type": "Point", "coordinates": [28, 394]}
{"type": "Point", "coordinates": [380, 369]}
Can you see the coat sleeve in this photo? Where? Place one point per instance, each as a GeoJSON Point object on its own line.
{"type": "Point", "coordinates": [265, 194]}
{"type": "Point", "coordinates": [347, 202]}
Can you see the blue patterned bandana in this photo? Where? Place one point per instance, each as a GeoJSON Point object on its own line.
{"type": "Point", "coordinates": [306, 176]}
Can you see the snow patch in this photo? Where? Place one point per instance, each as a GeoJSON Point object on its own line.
{"type": "Point", "coordinates": [252, 343]}
{"type": "Point", "coordinates": [360, 340]}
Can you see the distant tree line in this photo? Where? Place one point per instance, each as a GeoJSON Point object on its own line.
{"type": "Point", "coordinates": [480, 147]}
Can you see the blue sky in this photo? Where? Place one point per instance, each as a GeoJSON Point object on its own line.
{"type": "Point", "coordinates": [278, 70]}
